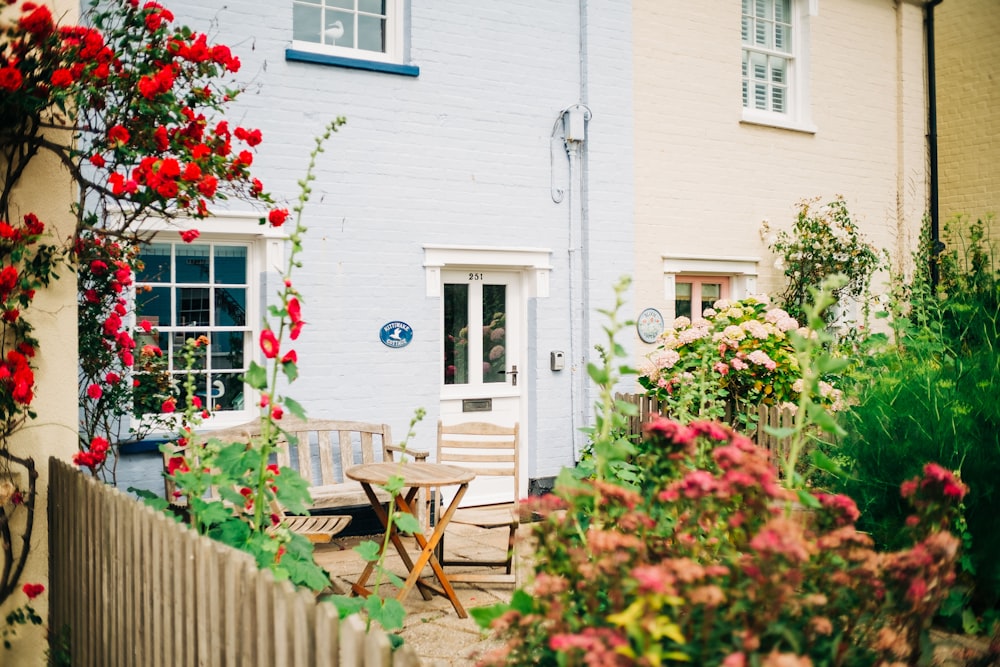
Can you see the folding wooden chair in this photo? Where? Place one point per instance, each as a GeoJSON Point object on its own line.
{"type": "Point", "coordinates": [492, 452]}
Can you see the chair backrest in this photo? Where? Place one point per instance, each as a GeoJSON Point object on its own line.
{"type": "Point", "coordinates": [488, 449]}
{"type": "Point", "coordinates": [335, 445]}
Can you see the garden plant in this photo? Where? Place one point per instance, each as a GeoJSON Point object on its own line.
{"type": "Point", "coordinates": [714, 562]}
{"type": "Point", "coordinates": [132, 107]}
{"type": "Point", "coordinates": [927, 393]}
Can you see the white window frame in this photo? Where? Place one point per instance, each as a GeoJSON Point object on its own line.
{"type": "Point", "coordinates": [741, 272]}
{"type": "Point", "coordinates": [395, 34]}
{"type": "Point", "coordinates": [265, 253]}
{"type": "Point", "coordinates": [798, 115]}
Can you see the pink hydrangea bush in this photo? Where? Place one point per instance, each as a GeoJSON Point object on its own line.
{"type": "Point", "coordinates": [716, 564]}
{"type": "Point", "coordinates": [738, 356]}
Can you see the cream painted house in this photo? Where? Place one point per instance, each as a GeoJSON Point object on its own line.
{"type": "Point", "coordinates": [46, 190]}
{"type": "Point", "coordinates": [967, 57]}
{"type": "Point", "coordinates": [744, 109]}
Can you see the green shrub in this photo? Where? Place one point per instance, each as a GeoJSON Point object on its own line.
{"type": "Point", "coordinates": [930, 395]}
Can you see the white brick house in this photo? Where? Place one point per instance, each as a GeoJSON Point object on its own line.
{"type": "Point", "coordinates": [530, 153]}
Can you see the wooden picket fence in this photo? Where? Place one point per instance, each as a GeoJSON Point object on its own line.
{"type": "Point", "coordinates": [767, 415]}
{"type": "Point", "coordinates": [133, 587]}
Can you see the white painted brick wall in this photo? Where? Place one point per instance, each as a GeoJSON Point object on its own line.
{"type": "Point", "coordinates": [459, 155]}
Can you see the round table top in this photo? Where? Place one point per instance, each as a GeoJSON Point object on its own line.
{"type": "Point", "coordinates": [413, 474]}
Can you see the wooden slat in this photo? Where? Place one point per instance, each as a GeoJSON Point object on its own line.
{"type": "Point", "coordinates": [477, 444]}
{"type": "Point", "coordinates": [138, 588]}
{"type": "Point", "coordinates": [346, 451]}
{"type": "Point", "coordinates": [327, 473]}
{"type": "Point", "coordinates": [367, 451]}
{"type": "Point", "coordinates": [304, 456]}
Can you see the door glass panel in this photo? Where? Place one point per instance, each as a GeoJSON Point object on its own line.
{"type": "Point", "coordinates": [456, 334]}
{"type": "Point", "coordinates": [682, 301]}
{"type": "Point", "coordinates": [710, 293]}
{"type": "Point", "coordinates": [494, 333]}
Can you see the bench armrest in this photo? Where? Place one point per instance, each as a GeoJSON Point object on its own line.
{"type": "Point", "coordinates": [418, 455]}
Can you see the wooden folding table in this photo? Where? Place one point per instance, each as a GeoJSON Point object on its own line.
{"type": "Point", "coordinates": [415, 476]}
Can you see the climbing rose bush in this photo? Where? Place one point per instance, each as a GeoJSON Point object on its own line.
{"type": "Point", "coordinates": [715, 564]}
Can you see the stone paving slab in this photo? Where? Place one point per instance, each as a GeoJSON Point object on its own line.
{"type": "Point", "coordinates": [431, 627]}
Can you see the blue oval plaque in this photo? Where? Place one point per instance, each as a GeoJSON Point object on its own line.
{"type": "Point", "coordinates": [396, 334]}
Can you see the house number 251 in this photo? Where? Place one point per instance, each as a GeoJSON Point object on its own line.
{"type": "Point", "coordinates": [475, 276]}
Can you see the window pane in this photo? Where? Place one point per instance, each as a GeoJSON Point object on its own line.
{"type": "Point", "coordinates": [306, 22]}
{"type": "Point", "coordinates": [372, 6]}
{"type": "Point", "coordinates": [231, 265]}
{"type": "Point", "coordinates": [227, 392]}
{"type": "Point", "coordinates": [782, 38]}
{"type": "Point", "coordinates": [156, 264]}
{"type": "Point", "coordinates": [710, 293]}
{"type": "Point", "coordinates": [682, 300]}
{"type": "Point", "coordinates": [456, 328]}
{"type": "Point", "coordinates": [193, 306]}
{"type": "Point", "coordinates": [341, 4]}
{"type": "Point", "coordinates": [783, 11]}
{"type": "Point", "coordinates": [154, 305]}
{"type": "Point", "coordinates": [230, 307]}
{"type": "Point", "coordinates": [494, 333]}
{"type": "Point", "coordinates": [192, 263]}
{"type": "Point", "coordinates": [371, 33]}
{"type": "Point", "coordinates": [227, 350]}
{"type": "Point", "coordinates": [342, 24]}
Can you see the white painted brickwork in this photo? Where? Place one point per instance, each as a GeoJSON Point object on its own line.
{"type": "Point", "coordinates": [458, 155]}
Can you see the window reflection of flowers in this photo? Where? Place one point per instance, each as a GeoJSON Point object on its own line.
{"type": "Point", "coordinates": [494, 349]}
{"type": "Point", "coordinates": [736, 357]}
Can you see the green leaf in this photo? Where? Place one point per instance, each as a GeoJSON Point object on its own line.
{"type": "Point", "coordinates": [484, 616]}
{"type": "Point", "coordinates": [807, 499]}
{"type": "Point", "coordinates": [825, 463]}
{"type": "Point", "coordinates": [406, 523]}
{"type": "Point", "coordinates": [521, 602]}
{"type": "Point", "coordinates": [294, 407]}
{"type": "Point", "coordinates": [393, 578]}
{"type": "Point", "coordinates": [293, 491]}
{"type": "Point", "coordinates": [597, 374]}
{"type": "Point", "coordinates": [256, 376]}
{"type": "Point", "coordinates": [368, 550]}
{"type": "Point", "coordinates": [232, 531]}
{"type": "Point", "coordinates": [291, 370]}
{"type": "Point", "coordinates": [781, 433]}
{"type": "Point", "coordinates": [345, 605]}
{"type": "Point", "coordinates": [394, 484]}
{"type": "Point", "coordinates": [389, 613]}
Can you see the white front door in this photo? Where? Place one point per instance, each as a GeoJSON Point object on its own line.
{"type": "Point", "coordinates": [483, 319]}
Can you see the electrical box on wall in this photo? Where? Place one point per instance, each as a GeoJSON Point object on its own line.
{"type": "Point", "coordinates": [557, 360]}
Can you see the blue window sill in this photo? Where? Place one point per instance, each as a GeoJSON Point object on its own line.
{"type": "Point", "coordinates": [150, 444]}
{"type": "Point", "coordinates": [353, 63]}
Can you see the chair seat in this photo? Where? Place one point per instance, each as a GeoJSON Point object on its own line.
{"type": "Point", "coordinates": [318, 529]}
{"type": "Point", "coordinates": [486, 517]}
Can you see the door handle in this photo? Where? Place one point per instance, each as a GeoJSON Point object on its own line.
{"type": "Point", "coordinates": [513, 375]}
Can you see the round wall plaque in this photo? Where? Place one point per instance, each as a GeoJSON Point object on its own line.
{"type": "Point", "coordinates": [396, 334]}
{"type": "Point", "coordinates": [649, 324]}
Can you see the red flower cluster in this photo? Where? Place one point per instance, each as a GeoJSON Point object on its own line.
{"type": "Point", "coordinates": [94, 456]}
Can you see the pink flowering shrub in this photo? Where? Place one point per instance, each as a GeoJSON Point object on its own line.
{"type": "Point", "coordinates": [738, 356]}
{"type": "Point", "coordinates": [714, 563]}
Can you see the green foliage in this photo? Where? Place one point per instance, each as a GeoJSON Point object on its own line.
{"type": "Point", "coordinates": [930, 395]}
{"type": "Point", "coordinates": [823, 241]}
{"type": "Point", "coordinates": [712, 562]}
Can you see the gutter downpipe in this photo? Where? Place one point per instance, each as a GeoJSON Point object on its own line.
{"type": "Point", "coordinates": [932, 142]}
{"type": "Point", "coordinates": [578, 258]}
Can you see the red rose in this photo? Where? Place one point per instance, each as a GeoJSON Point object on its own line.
{"type": "Point", "coordinates": [169, 406]}
{"type": "Point", "coordinates": [146, 326]}
{"type": "Point", "coordinates": [10, 78]}
{"type": "Point", "coordinates": [95, 391]}
{"type": "Point", "coordinates": [33, 590]}
{"type": "Point", "coordinates": [62, 78]}
{"type": "Point", "coordinates": [278, 216]}
{"type": "Point", "coordinates": [189, 235]}
{"type": "Point", "coordinates": [118, 135]}
{"type": "Point", "coordinates": [97, 160]}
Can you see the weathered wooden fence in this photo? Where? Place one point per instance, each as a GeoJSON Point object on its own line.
{"type": "Point", "coordinates": [133, 587]}
{"type": "Point", "coordinates": [767, 415]}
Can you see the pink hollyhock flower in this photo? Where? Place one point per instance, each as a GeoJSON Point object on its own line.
{"type": "Point", "coordinates": [269, 343]}
{"type": "Point", "coordinates": [290, 357]}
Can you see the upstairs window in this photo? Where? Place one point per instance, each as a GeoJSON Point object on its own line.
{"type": "Point", "coordinates": [361, 29]}
{"type": "Point", "coordinates": [774, 71]}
